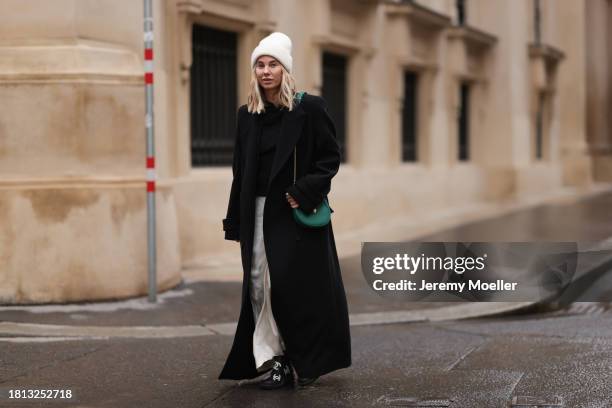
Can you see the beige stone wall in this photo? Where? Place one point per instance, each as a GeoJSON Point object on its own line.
{"type": "Point", "coordinates": [72, 195]}
{"type": "Point", "coordinates": [381, 43]}
{"type": "Point", "coordinates": [72, 137]}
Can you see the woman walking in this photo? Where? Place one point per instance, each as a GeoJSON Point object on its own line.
{"type": "Point", "coordinates": [294, 315]}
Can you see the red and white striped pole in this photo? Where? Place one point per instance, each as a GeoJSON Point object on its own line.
{"type": "Point", "coordinates": [148, 79]}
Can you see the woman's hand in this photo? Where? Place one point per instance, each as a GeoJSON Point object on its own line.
{"type": "Point", "coordinates": [292, 201]}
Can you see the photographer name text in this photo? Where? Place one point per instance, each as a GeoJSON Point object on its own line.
{"type": "Point", "coordinates": [410, 285]}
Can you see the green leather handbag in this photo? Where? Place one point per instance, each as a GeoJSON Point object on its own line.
{"type": "Point", "coordinates": [321, 215]}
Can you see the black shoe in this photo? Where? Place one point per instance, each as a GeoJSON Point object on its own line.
{"type": "Point", "coordinates": [280, 375]}
{"type": "Point", "coordinates": [303, 381]}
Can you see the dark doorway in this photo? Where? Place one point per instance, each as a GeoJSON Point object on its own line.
{"type": "Point", "coordinates": [409, 117]}
{"type": "Point", "coordinates": [464, 121]}
{"type": "Point", "coordinates": [334, 92]}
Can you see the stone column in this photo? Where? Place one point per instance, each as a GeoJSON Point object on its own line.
{"type": "Point", "coordinates": [72, 155]}
{"type": "Point", "coordinates": [599, 103]}
{"type": "Point", "coordinates": [575, 160]}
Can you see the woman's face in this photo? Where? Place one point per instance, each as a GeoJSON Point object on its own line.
{"type": "Point", "coordinates": [268, 72]}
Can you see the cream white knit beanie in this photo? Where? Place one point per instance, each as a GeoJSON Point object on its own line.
{"type": "Point", "coordinates": [277, 45]}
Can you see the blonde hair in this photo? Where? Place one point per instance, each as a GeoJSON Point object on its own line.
{"type": "Point", "coordinates": [255, 100]}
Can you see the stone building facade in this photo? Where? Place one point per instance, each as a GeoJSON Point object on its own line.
{"type": "Point", "coordinates": [438, 103]}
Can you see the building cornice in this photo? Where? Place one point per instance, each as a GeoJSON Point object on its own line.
{"type": "Point", "coordinates": [418, 14]}
{"type": "Point", "coordinates": [547, 52]}
{"type": "Point", "coordinates": [474, 38]}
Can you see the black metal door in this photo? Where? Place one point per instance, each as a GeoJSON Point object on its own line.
{"type": "Point", "coordinates": [213, 96]}
{"type": "Point", "coordinates": [334, 93]}
{"type": "Point", "coordinates": [463, 122]}
{"type": "Point", "coordinates": [409, 117]}
{"type": "Point", "coordinates": [460, 7]}
{"type": "Point", "coordinates": [540, 126]}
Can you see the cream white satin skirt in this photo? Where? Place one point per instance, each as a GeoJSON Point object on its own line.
{"type": "Point", "coordinates": [267, 341]}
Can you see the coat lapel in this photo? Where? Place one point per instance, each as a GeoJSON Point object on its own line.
{"type": "Point", "coordinates": [251, 157]}
{"type": "Point", "coordinates": [291, 129]}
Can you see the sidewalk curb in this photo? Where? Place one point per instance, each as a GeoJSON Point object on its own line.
{"type": "Point", "coordinates": [21, 332]}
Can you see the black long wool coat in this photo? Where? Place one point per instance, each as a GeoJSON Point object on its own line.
{"type": "Point", "coordinates": [307, 293]}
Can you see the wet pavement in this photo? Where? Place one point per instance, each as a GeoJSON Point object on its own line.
{"type": "Point", "coordinates": [552, 358]}
{"type": "Point", "coordinates": [587, 220]}
{"type": "Point", "coordinates": [471, 363]}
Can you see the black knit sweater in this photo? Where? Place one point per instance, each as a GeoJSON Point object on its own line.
{"type": "Point", "coordinates": [270, 126]}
